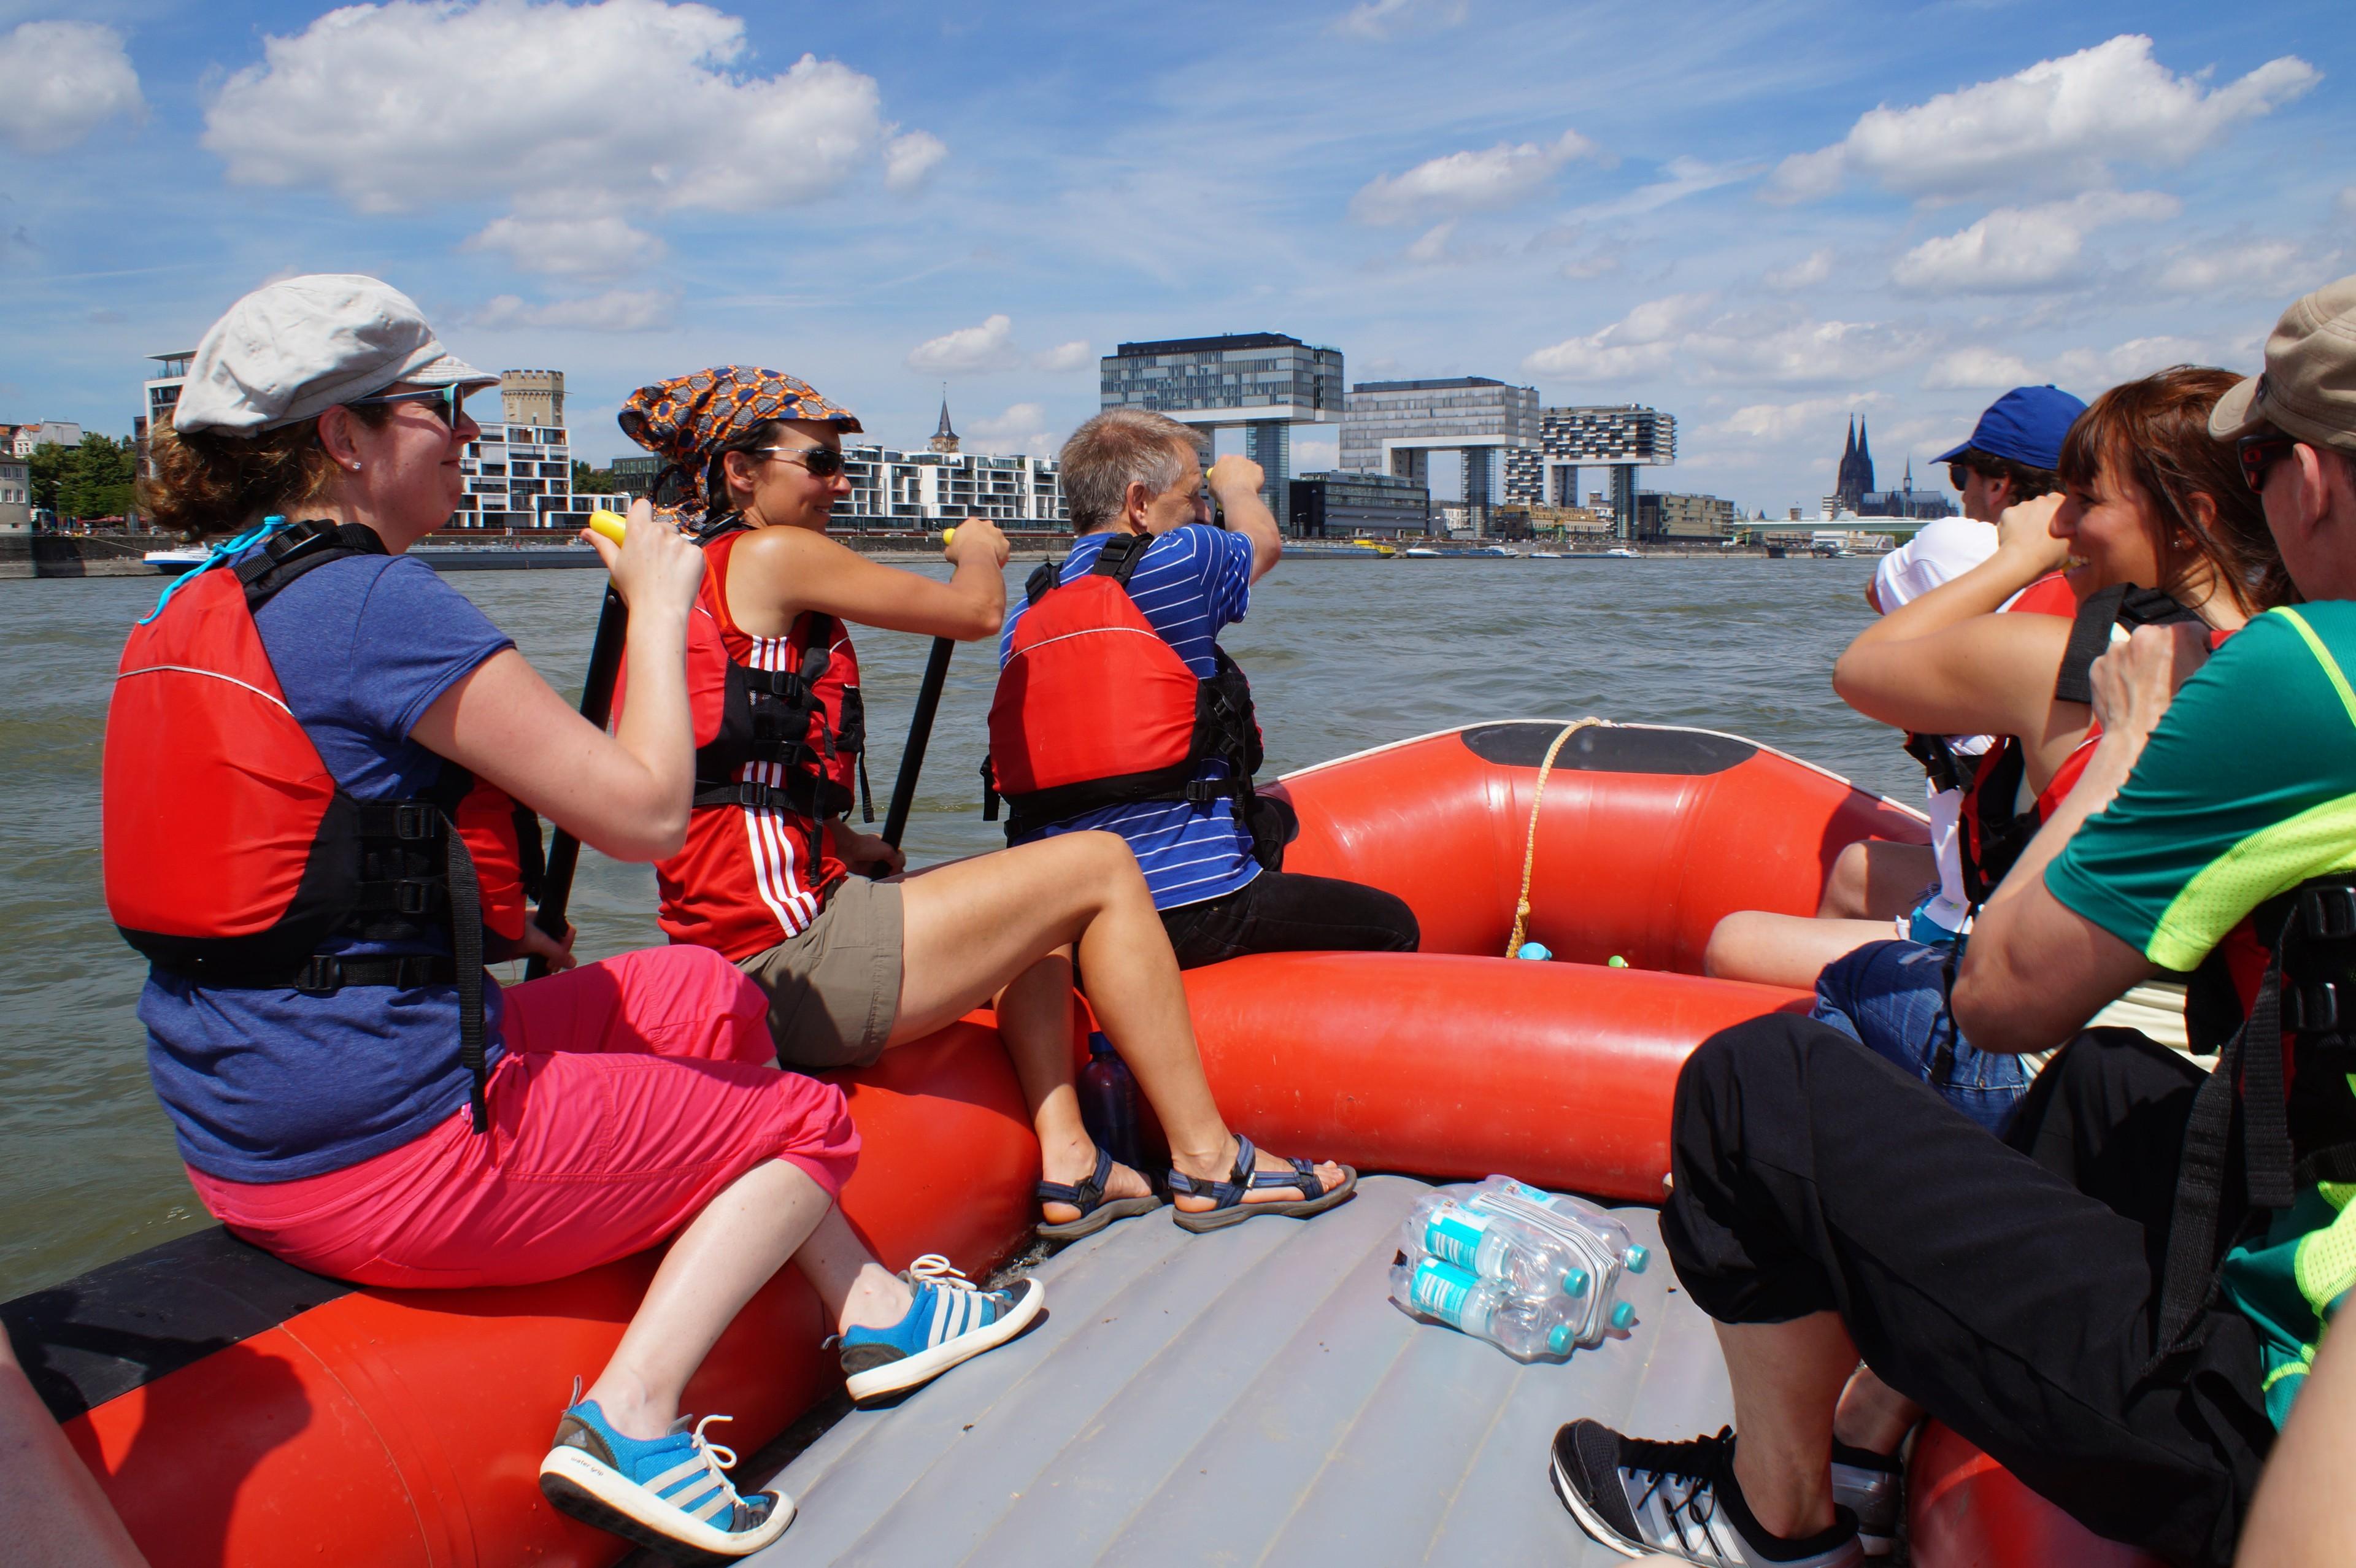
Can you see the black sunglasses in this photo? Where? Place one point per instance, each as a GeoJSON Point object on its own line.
{"type": "Point", "coordinates": [1960, 474]}
{"type": "Point", "coordinates": [2260, 452]}
{"type": "Point", "coordinates": [819, 462]}
{"type": "Point", "coordinates": [447, 402]}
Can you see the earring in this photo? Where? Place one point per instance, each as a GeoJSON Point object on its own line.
{"type": "Point", "coordinates": [356, 468]}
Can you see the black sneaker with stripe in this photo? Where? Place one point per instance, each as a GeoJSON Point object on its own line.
{"type": "Point", "coordinates": [1679, 1500]}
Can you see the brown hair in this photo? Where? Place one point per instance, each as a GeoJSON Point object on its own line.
{"type": "Point", "coordinates": [2155, 433]}
{"type": "Point", "coordinates": [2028, 483]}
{"type": "Point", "coordinates": [1111, 452]}
{"type": "Point", "coordinates": [209, 482]}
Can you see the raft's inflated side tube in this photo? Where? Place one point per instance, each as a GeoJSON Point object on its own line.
{"type": "Point", "coordinates": [1559, 1074]}
{"type": "Point", "coordinates": [1646, 837]}
{"type": "Point", "coordinates": [1965, 1511]}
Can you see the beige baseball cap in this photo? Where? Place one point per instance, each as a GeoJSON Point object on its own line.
{"type": "Point", "coordinates": [291, 350]}
{"type": "Point", "coordinates": [2309, 389]}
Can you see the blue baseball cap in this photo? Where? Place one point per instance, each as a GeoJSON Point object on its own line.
{"type": "Point", "coordinates": [2026, 424]}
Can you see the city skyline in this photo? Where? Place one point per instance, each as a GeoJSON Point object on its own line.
{"type": "Point", "coordinates": [1793, 229]}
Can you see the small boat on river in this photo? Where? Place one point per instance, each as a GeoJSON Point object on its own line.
{"type": "Point", "coordinates": [1249, 1395]}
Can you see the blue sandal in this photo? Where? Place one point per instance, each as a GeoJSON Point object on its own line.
{"type": "Point", "coordinates": [1097, 1211]}
{"type": "Point", "coordinates": [1227, 1197]}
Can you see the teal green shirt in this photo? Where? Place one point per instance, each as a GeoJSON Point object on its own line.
{"type": "Point", "coordinates": [2246, 789]}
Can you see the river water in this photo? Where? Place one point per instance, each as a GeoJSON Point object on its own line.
{"type": "Point", "coordinates": [1343, 654]}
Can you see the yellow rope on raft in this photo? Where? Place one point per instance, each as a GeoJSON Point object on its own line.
{"type": "Point", "coordinates": [1530, 849]}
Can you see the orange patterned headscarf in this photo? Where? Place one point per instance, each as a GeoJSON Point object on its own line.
{"type": "Point", "coordinates": [689, 419]}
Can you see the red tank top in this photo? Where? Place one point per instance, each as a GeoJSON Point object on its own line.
{"type": "Point", "coordinates": [749, 876]}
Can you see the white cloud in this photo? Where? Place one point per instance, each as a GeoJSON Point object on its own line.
{"type": "Point", "coordinates": [1376, 20]}
{"type": "Point", "coordinates": [1021, 427]}
{"type": "Point", "coordinates": [1776, 424]}
{"type": "Point", "coordinates": [586, 248]}
{"type": "Point", "coordinates": [615, 310]}
{"type": "Point", "coordinates": [2026, 247]}
{"type": "Point", "coordinates": [1310, 456]}
{"type": "Point", "coordinates": [2059, 125]}
{"type": "Point", "coordinates": [969, 351]}
{"type": "Point", "coordinates": [1682, 334]}
{"type": "Point", "coordinates": [1467, 182]}
{"type": "Point", "coordinates": [65, 80]}
{"type": "Point", "coordinates": [2347, 202]}
{"type": "Point", "coordinates": [1076, 355]}
{"type": "Point", "coordinates": [1432, 245]}
{"type": "Point", "coordinates": [2244, 265]}
{"type": "Point", "coordinates": [908, 160]}
{"type": "Point", "coordinates": [1805, 274]}
{"type": "Point", "coordinates": [1686, 177]}
{"type": "Point", "coordinates": [2089, 370]}
{"type": "Point", "coordinates": [1603, 258]}
{"type": "Point", "coordinates": [543, 105]}
{"type": "Point", "coordinates": [1979, 370]}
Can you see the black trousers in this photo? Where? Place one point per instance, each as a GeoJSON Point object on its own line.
{"type": "Point", "coordinates": [2012, 1293]}
{"type": "Point", "coordinates": [1283, 911]}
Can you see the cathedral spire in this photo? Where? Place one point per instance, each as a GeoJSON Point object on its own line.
{"type": "Point", "coordinates": [944, 439]}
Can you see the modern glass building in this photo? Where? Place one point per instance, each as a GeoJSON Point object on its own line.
{"type": "Point", "coordinates": [1263, 382]}
{"type": "Point", "coordinates": [1342, 505]}
{"type": "Point", "coordinates": [1621, 437]}
{"type": "Point", "coordinates": [1394, 427]}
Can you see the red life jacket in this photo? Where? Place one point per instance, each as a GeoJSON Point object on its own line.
{"type": "Point", "coordinates": [1094, 708]}
{"type": "Point", "coordinates": [1995, 826]}
{"type": "Point", "coordinates": [780, 740]}
{"type": "Point", "coordinates": [232, 855]}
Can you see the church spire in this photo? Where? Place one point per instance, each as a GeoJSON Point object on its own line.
{"type": "Point", "coordinates": [1850, 451]}
{"type": "Point", "coordinates": [944, 439]}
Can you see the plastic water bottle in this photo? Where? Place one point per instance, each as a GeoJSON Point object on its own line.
{"type": "Point", "coordinates": [1485, 1308]}
{"type": "Point", "coordinates": [1504, 1194]}
{"type": "Point", "coordinates": [1111, 1107]}
{"type": "Point", "coordinates": [1529, 1255]}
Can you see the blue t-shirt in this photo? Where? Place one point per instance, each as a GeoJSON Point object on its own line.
{"type": "Point", "coordinates": [271, 1085]}
{"type": "Point", "coordinates": [1192, 581]}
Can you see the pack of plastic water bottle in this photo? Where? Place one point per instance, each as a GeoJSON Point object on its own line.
{"type": "Point", "coordinates": [1536, 1273]}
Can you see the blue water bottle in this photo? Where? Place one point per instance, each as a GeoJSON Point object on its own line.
{"type": "Point", "coordinates": [1111, 1108]}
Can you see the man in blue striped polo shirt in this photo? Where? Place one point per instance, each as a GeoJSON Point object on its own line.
{"type": "Point", "coordinates": [1129, 471]}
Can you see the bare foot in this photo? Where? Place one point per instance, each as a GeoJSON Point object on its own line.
{"type": "Point", "coordinates": [1069, 1170]}
{"type": "Point", "coordinates": [1327, 1172]}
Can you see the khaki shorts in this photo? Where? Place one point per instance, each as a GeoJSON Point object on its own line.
{"type": "Point", "coordinates": [834, 987]}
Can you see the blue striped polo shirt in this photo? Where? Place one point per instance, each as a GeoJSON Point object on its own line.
{"type": "Point", "coordinates": [1191, 583]}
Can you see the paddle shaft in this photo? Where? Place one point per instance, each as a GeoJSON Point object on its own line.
{"type": "Point", "coordinates": [920, 733]}
{"type": "Point", "coordinates": [596, 706]}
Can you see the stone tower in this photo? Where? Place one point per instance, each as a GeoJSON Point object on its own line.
{"type": "Point", "coordinates": [533, 396]}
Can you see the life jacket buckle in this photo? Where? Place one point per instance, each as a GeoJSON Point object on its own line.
{"type": "Point", "coordinates": [412, 970]}
{"type": "Point", "coordinates": [416, 821]}
{"type": "Point", "coordinates": [322, 974]}
{"type": "Point", "coordinates": [2311, 1008]}
{"type": "Point", "coordinates": [1203, 792]}
{"type": "Point", "coordinates": [2328, 914]}
{"type": "Point", "coordinates": [413, 896]}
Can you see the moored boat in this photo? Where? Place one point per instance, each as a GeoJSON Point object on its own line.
{"type": "Point", "coordinates": [240, 1410]}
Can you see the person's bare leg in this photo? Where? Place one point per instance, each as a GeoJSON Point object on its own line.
{"type": "Point", "coordinates": [856, 1291]}
{"type": "Point", "coordinates": [972, 925]}
{"type": "Point", "coordinates": [53, 1513]}
{"type": "Point", "coordinates": [1784, 949]}
{"type": "Point", "coordinates": [1877, 880]}
{"type": "Point", "coordinates": [1787, 1377]}
{"type": "Point", "coordinates": [1872, 1415]}
{"type": "Point", "coordinates": [1035, 1017]}
{"type": "Point", "coordinates": [728, 1252]}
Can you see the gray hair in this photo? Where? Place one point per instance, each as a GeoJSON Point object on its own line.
{"type": "Point", "coordinates": [1118, 448]}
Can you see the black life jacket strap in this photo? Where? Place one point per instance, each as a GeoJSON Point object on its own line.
{"type": "Point", "coordinates": [2121, 605]}
{"type": "Point", "coordinates": [1028, 814]}
{"type": "Point", "coordinates": [1940, 764]}
{"type": "Point", "coordinates": [466, 943]}
{"type": "Point", "coordinates": [302, 548]}
{"type": "Point", "coordinates": [802, 801]}
{"type": "Point", "coordinates": [1043, 580]}
{"type": "Point", "coordinates": [1119, 557]}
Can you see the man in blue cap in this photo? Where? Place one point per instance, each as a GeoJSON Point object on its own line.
{"type": "Point", "coordinates": [2010, 459]}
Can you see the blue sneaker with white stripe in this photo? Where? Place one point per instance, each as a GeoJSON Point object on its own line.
{"type": "Point", "coordinates": [671, 1493]}
{"type": "Point", "coordinates": [951, 1320]}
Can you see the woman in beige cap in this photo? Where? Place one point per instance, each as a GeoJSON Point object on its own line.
{"type": "Point", "coordinates": [349, 1088]}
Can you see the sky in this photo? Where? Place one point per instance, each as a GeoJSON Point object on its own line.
{"type": "Point", "coordinates": [1759, 217]}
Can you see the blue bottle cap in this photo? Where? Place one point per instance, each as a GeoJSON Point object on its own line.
{"type": "Point", "coordinates": [1623, 1315]}
{"type": "Point", "coordinates": [1575, 1283]}
{"type": "Point", "coordinates": [1558, 1339]}
{"type": "Point", "coordinates": [1099, 1043]}
{"type": "Point", "coordinates": [1536, 952]}
{"type": "Point", "coordinates": [1636, 1257]}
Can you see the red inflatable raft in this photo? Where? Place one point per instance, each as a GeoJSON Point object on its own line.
{"type": "Point", "coordinates": [238, 1411]}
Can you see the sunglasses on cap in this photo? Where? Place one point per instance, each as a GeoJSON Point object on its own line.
{"type": "Point", "coordinates": [2260, 452]}
{"type": "Point", "coordinates": [818, 461]}
{"type": "Point", "coordinates": [447, 402]}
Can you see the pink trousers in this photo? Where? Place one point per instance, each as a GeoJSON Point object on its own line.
{"type": "Point", "coordinates": [632, 1091]}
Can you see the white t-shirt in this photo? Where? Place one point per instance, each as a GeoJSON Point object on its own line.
{"type": "Point", "coordinates": [1941, 552]}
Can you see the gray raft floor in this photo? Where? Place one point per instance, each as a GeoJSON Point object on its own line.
{"type": "Point", "coordinates": [1247, 1397]}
